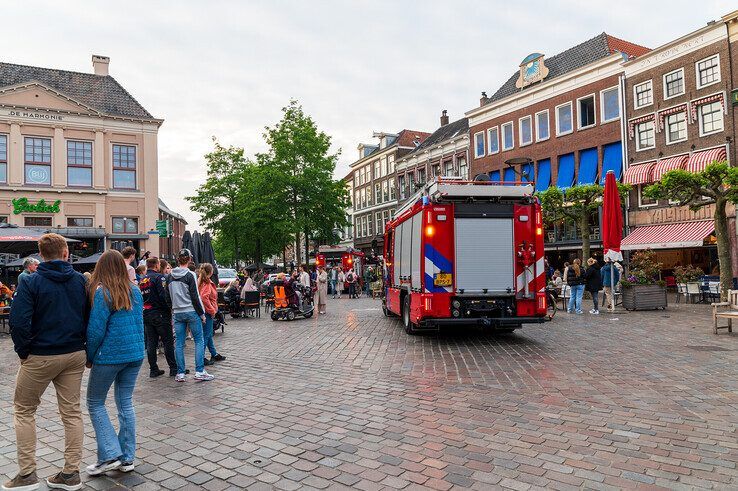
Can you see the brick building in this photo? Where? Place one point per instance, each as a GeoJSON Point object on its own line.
{"type": "Point", "coordinates": [169, 246]}
{"type": "Point", "coordinates": [679, 116]}
{"type": "Point", "coordinates": [562, 113]}
{"type": "Point", "coordinates": [374, 186]}
{"type": "Point", "coordinates": [444, 153]}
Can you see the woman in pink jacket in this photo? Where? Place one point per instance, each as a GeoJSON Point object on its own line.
{"type": "Point", "coordinates": [209, 297]}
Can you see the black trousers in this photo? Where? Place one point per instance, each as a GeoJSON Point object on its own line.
{"type": "Point", "coordinates": [159, 326]}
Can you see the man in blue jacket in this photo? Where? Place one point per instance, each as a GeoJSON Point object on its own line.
{"type": "Point", "coordinates": [48, 322]}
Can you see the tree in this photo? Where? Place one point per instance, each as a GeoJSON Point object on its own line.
{"type": "Point", "coordinates": [218, 199]}
{"type": "Point", "coordinates": [577, 204]}
{"type": "Point", "coordinates": [718, 185]}
{"type": "Point", "coordinates": [302, 169]}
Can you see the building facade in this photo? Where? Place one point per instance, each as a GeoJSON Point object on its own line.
{"type": "Point", "coordinates": [679, 116]}
{"type": "Point", "coordinates": [559, 119]}
{"type": "Point", "coordinates": [170, 245]}
{"type": "Point", "coordinates": [444, 153]}
{"type": "Point", "coordinates": [346, 234]}
{"type": "Point", "coordinates": [78, 155]}
{"type": "Point", "coordinates": [375, 186]}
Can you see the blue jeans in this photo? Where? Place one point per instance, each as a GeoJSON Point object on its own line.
{"type": "Point", "coordinates": [575, 299]}
{"type": "Point", "coordinates": [109, 444]}
{"type": "Point", "coordinates": [207, 334]}
{"type": "Point", "coordinates": [333, 286]}
{"type": "Point", "coordinates": [182, 321]}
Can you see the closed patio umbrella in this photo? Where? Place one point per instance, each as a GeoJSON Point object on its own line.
{"type": "Point", "coordinates": [186, 242]}
{"type": "Point", "coordinates": [612, 225]}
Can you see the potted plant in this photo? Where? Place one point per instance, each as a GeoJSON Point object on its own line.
{"type": "Point", "coordinates": [688, 274]}
{"type": "Point", "coordinates": [643, 288]}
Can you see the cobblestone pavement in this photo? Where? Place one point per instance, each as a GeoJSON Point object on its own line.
{"type": "Point", "coordinates": [642, 400]}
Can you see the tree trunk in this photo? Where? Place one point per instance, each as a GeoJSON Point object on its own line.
{"type": "Point", "coordinates": [284, 256]}
{"type": "Point", "coordinates": [723, 248]}
{"type": "Point", "coordinates": [584, 232]}
{"type": "Point", "coordinates": [307, 247]}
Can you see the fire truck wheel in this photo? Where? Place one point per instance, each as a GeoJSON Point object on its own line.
{"type": "Point", "coordinates": [409, 326]}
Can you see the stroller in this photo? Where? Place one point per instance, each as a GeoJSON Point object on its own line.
{"type": "Point", "coordinates": [284, 309]}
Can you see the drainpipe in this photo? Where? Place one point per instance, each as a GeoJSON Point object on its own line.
{"type": "Point", "coordinates": [625, 138]}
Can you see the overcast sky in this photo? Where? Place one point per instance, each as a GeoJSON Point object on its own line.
{"type": "Point", "coordinates": [225, 69]}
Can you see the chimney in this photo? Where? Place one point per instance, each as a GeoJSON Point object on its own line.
{"type": "Point", "coordinates": [483, 100]}
{"type": "Point", "coordinates": [100, 65]}
{"type": "Point", "coordinates": [444, 118]}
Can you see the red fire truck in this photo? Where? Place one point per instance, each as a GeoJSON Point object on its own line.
{"type": "Point", "coordinates": [466, 253]}
{"type": "Point", "coordinates": [347, 257]}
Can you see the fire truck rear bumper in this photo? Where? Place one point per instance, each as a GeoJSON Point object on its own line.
{"type": "Point", "coordinates": [484, 321]}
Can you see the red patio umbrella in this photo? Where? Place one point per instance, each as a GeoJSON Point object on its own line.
{"type": "Point", "coordinates": [612, 228]}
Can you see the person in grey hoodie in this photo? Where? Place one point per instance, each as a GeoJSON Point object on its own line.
{"type": "Point", "coordinates": [188, 314]}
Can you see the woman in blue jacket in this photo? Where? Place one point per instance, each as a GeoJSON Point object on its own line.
{"type": "Point", "coordinates": [115, 351]}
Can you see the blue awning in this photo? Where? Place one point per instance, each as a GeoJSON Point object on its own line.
{"type": "Point", "coordinates": [565, 177]}
{"type": "Point", "coordinates": [543, 181]}
{"type": "Point", "coordinates": [612, 159]}
{"type": "Point", "coordinates": [510, 176]}
{"type": "Point", "coordinates": [587, 166]}
{"type": "Point", "coordinates": [526, 173]}
{"type": "Point", "coordinates": [494, 176]}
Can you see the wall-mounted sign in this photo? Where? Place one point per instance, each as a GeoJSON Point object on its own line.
{"type": "Point", "coordinates": [21, 205]}
{"type": "Point", "coordinates": [734, 96]}
{"type": "Point", "coordinates": [532, 70]}
{"type": "Point", "coordinates": [36, 115]}
{"type": "Point", "coordinates": [162, 228]}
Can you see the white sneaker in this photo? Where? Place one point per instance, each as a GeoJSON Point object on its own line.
{"type": "Point", "coordinates": [126, 467]}
{"type": "Point", "coordinates": [591, 311]}
{"type": "Point", "coordinates": [595, 312]}
{"type": "Point", "coordinates": [203, 376]}
{"type": "Point", "coordinates": [180, 378]}
{"type": "Point", "coordinates": [102, 467]}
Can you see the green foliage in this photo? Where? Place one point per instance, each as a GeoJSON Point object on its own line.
{"type": "Point", "coordinates": [687, 274]}
{"type": "Point", "coordinates": [644, 269]}
{"type": "Point", "coordinates": [697, 190]}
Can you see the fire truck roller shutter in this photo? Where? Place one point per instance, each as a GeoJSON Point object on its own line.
{"type": "Point", "coordinates": [484, 255]}
{"type": "Point", "coordinates": [416, 251]}
{"type": "Point", "coordinates": [396, 255]}
{"type": "Point", "coordinates": [407, 249]}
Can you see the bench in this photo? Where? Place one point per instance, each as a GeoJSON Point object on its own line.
{"type": "Point", "coordinates": [729, 314]}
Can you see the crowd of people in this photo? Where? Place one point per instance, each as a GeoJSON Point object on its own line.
{"type": "Point", "coordinates": [576, 279]}
{"type": "Point", "coordinates": [108, 321]}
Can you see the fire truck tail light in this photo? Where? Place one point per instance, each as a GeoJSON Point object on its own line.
{"type": "Point", "coordinates": [429, 231]}
{"type": "Point", "coordinates": [428, 303]}
{"type": "Point", "coordinates": [539, 230]}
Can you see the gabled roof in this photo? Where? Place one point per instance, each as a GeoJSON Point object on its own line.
{"type": "Point", "coordinates": [590, 51]}
{"type": "Point", "coordinates": [445, 132]}
{"type": "Point", "coordinates": [102, 93]}
{"type": "Point", "coordinates": [407, 137]}
{"type": "Point", "coordinates": [163, 207]}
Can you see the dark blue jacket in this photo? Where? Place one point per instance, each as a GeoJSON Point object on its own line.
{"type": "Point", "coordinates": [49, 312]}
{"type": "Point", "coordinates": [607, 270]}
{"type": "Point", "coordinates": [153, 288]}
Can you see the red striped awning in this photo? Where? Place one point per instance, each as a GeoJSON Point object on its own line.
{"type": "Point", "coordinates": [668, 236]}
{"type": "Point", "coordinates": [639, 174]}
{"type": "Point", "coordinates": [665, 165]}
{"type": "Point", "coordinates": [699, 160]}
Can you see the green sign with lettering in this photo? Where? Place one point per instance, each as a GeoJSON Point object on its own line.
{"type": "Point", "coordinates": [22, 205]}
{"type": "Point", "coordinates": [162, 226]}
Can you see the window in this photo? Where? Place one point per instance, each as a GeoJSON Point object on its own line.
{"type": "Point", "coordinates": [643, 200]}
{"type": "Point", "coordinates": [674, 83]}
{"type": "Point", "coordinates": [708, 71]}
{"type": "Point", "coordinates": [390, 164]}
{"type": "Point", "coordinates": [421, 176]}
{"type": "Point", "coordinates": [526, 130]}
{"type": "Point", "coordinates": [508, 138]}
{"type": "Point", "coordinates": [479, 144]}
{"type": "Point", "coordinates": [3, 158]}
{"type": "Point", "coordinates": [369, 196]}
{"type": "Point", "coordinates": [357, 227]}
{"type": "Point", "coordinates": [643, 94]}
{"type": "Point", "coordinates": [645, 135]}
{"type": "Point", "coordinates": [463, 168]}
{"type": "Point", "coordinates": [448, 168]}
{"type": "Point", "coordinates": [401, 181]}
{"type": "Point", "coordinates": [676, 127]}
{"type": "Point", "coordinates": [357, 200]}
{"type": "Point", "coordinates": [564, 124]}
{"type": "Point", "coordinates": [3, 218]}
{"type": "Point", "coordinates": [542, 131]}
{"type": "Point", "coordinates": [436, 169]}
{"type": "Point", "coordinates": [369, 224]}
{"type": "Point", "coordinates": [378, 192]}
{"type": "Point", "coordinates": [38, 161]}
{"type": "Point", "coordinates": [385, 191]}
{"type": "Point", "coordinates": [610, 104]}
{"type": "Point", "coordinates": [356, 179]}
{"type": "Point", "coordinates": [710, 117]}
{"type": "Point", "coordinates": [124, 167]}
{"type": "Point", "coordinates": [377, 172]}
{"type": "Point", "coordinates": [380, 224]}
{"type": "Point", "coordinates": [37, 221]}
{"type": "Point", "coordinates": [363, 197]}
{"type": "Point", "coordinates": [392, 189]}
{"type": "Point", "coordinates": [586, 111]}
{"type": "Point", "coordinates": [79, 222]}
{"type": "Point", "coordinates": [125, 225]}
{"type": "Point", "coordinates": [493, 137]}
{"type": "Point", "coordinates": [382, 167]}
{"type": "Point", "coordinates": [79, 164]}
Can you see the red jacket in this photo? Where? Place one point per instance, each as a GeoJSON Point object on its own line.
{"type": "Point", "coordinates": [209, 296]}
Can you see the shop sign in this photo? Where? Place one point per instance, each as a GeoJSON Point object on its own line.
{"type": "Point", "coordinates": [36, 115]}
{"type": "Point", "coordinates": [162, 227]}
{"type": "Point", "coordinates": [21, 205]}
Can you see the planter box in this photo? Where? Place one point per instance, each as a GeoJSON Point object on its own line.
{"type": "Point", "coordinates": [644, 297]}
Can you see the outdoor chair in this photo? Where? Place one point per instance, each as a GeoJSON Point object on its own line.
{"type": "Point", "coordinates": [730, 313]}
{"type": "Point", "coordinates": [693, 290]}
{"type": "Point", "coordinates": [565, 294]}
{"type": "Point", "coordinates": [251, 302]}
{"type": "Point", "coordinates": [681, 292]}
